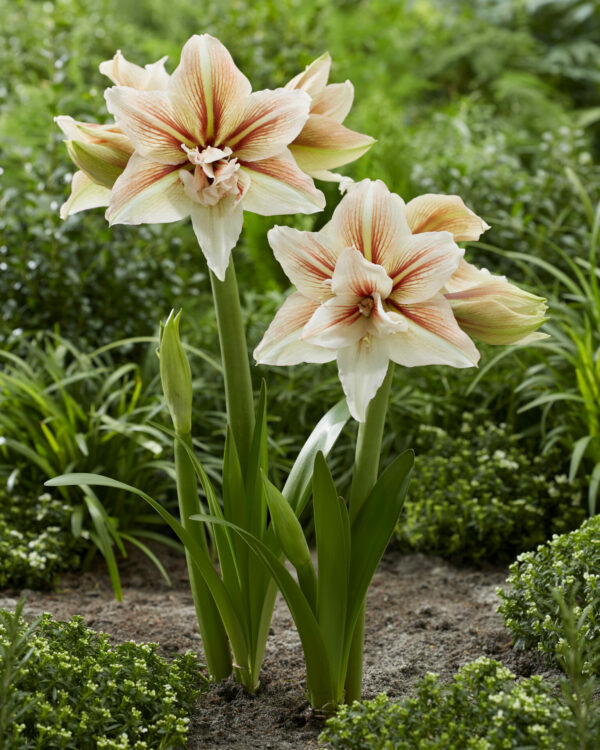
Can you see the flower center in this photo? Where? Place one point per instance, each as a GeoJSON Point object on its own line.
{"type": "Point", "coordinates": [365, 306]}
{"type": "Point", "coordinates": [214, 176]}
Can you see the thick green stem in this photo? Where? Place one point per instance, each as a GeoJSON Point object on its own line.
{"type": "Point", "coordinates": [236, 365]}
{"type": "Point", "coordinates": [212, 631]}
{"type": "Point", "coordinates": [366, 469]}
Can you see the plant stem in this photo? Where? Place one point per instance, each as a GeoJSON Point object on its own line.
{"type": "Point", "coordinates": [210, 625]}
{"type": "Point", "coordinates": [366, 470]}
{"type": "Point", "coordinates": [236, 365]}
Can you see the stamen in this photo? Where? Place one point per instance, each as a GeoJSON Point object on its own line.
{"type": "Point", "coordinates": [365, 306]}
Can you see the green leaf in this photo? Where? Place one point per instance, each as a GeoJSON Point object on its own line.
{"type": "Point", "coordinates": [332, 531]}
{"type": "Point", "coordinates": [577, 455]}
{"type": "Point", "coordinates": [316, 655]}
{"type": "Point", "coordinates": [593, 490]}
{"type": "Point", "coordinates": [149, 554]}
{"type": "Point", "coordinates": [199, 557]}
{"type": "Point", "coordinates": [373, 527]}
{"type": "Point", "coordinates": [292, 540]}
{"type": "Point", "coordinates": [297, 487]}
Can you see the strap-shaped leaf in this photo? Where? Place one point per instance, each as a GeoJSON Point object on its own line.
{"type": "Point", "coordinates": [373, 527]}
{"type": "Point", "coordinates": [292, 540]}
{"type": "Point", "coordinates": [332, 531]}
{"type": "Point", "coordinates": [297, 487]}
{"type": "Point", "coordinates": [316, 656]}
{"type": "Point", "coordinates": [199, 557]}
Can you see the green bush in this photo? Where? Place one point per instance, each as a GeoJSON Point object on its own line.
{"type": "Point", "coordinates": [483, 708]}
{"type": "Point", "coordinates": [480, 496]}
{"type": "Point", "coordinates": [570, 565]}
{"type": "Point", "coordinates": [36, 542]}
{"type": "Point", "coordinates": [68, 688]}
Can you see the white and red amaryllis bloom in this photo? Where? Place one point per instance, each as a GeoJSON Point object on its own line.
{"type": "Point", "coordinates": [369, 291]}
{"type": "Point", "coordinates": [324, 143]}
{"type": "Point", "coordinates": [101, 152]}
{"type": "Point", "coordinates": [209, 148]}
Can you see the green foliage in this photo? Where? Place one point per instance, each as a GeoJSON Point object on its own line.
{"type": "Point", "coordinates": [36, 542]}
{"type": "Point", "coordinates": [480, 495]}
{"type": "Point", "coordinates": [569, 564]}
{"type": "Point", "coordinates": [484, 708]}
{"type": "Point", "coordinates": [72, 690]}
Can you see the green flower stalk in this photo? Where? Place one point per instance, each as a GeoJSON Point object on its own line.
{"type": "Point", "coordinates": [176, 375]}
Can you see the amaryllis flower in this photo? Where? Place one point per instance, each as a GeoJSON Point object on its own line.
{"type": "Point", "coordinates": [369, 291]}
{"type": "Point", "coordinates": [489, 308]}
{"type": "Point", "coordinates": [324, 143]}
{"type": "Point", "coordinates": [207, 147]}
{"type": "Point", "coordinates": [101, 152]}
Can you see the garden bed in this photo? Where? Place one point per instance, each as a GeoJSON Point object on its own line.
{"type": "Point", "coordinates": [423, 614]}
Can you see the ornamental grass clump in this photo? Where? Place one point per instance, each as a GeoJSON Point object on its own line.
{"type": "Point", "coordinates": [483, 708]}
{"type": "Point", "coordinates": [480, 496]}
{"type": "Point", "coordinates": [67, 687]}
{"type": "Point", "coordinates": [568, 565]}
{"type": "Point", "coordinates": [384, 282]}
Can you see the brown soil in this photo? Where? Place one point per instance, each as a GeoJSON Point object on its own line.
{"type": "Point", "coordinates": [423, 614]}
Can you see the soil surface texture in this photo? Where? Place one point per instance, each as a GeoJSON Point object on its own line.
{"type": "Point", "coordinates": [423, 614]}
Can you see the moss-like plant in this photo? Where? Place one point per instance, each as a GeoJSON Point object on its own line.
{"type": "Point", "coordinates": [479, 496]}
{"type": "Point", "coordinates": [68, 688]}
{"type": "Point", "coordinates": [568, 565]}
{"type": "Point", "coordinates": [483, 708]}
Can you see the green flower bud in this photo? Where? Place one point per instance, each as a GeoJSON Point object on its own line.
{"type": "Point", "coordinates": [176, 375]}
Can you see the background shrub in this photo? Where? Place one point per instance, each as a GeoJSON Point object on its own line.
{"type": "Point", "coordinates": [482, 495]}
{"type": "Point", "coordinates": [74, 690]}
{"type": "Point", "coordinates": [569, 564]}
{"type": "Point", "coordinates": [483, 708]}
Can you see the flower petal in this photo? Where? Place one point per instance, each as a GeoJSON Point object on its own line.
{"type": "Point", "coordinates": [336, 323]}
{"type": "Point", "coordinates": [314, 77]}
{"type": "Point", "coordinates": [425, 262]}
{"type": "Point", "coordinates": [371, 219]}
{"type": "Point", "coordinates": [151, 123]}
{"type": "Point", "coordinates": [103, 164]}
{"type": "Point", "coordinates": [92, 132]}
{"type": "Point", "coordinates": [437, 213]}
{"type": "Point", "coordinates": [308, 259]}
{"type": "Point", "coordinates": [493, 310]}
{"type": "Point", "coordinates": [124, 73]}
{"type": "Point", "coordinates": [278, 186]}
{"type": "Point", "coordinates": [217, 230]}
{"type": "Point", "coordinates": [209, 90]}
{"type": "Point", "coordinates": [355, 275]}
{"type": "Point", "coordinates": [148, 192]}
{"type": "Point", "coordinates": [325, 144]}
{"type": "Point", "coordinates": [282, 344]}
{"type": "Point", "coordinates": [84, 194]}
{"type": "Point", "coordinates": [334, 101]}
{"type": "Point", "coordinates": [362, 368]}
{"type": "Point", "coordinates": [269, 123]}
{"type": "Point", "coordinates": [433, 337]}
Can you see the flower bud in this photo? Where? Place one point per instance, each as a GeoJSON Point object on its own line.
{"type": "Point", "coordinates": [176, 375]}
{"type": "Point", "coordinates": [491, 309]}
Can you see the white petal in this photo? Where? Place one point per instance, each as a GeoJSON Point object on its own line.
{"type": "Point", "coordinates": [84, 194]}
{"type": "Point", "coordinates": [433, 337]}
{"type": "Point", "coordinates": [371, 219]}
{"type": "Point", "coordinates": [314, 77]}
{"type": "Point", "coordinates": [424, 263]}
{"type": "Point", "coordinates": [308, 259]}
{"type": "Point", "coordinates": [217, 229]}
{"type": "Point", "coordinates": [334, 101]}
{"type": "Point", "coordinates": [336, 323]}
{"type": "Point", "coordinates": [444, 213]}
{"type": "Point", "coordinates": [124, 73]}
{"type": "Point", "coordinates": [354, 274]}
{"type": "Point", "coordinates": [148, 193]}
{"type": "Point", "coordinates": [277, 186]}
{"type": "Point", "coordinates": [282, 344]}
{"type": "Point", "coordinates": [362, 368]}
{"type": "Point", "coordinates": [270, 122]}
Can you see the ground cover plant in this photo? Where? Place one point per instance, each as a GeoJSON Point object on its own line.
{"type": "Point", "coordinates": [64, 686]}
{"type": "Point", "coordinates": [478, 495]}
{"type": "Point", "coordinates": [570, 565]}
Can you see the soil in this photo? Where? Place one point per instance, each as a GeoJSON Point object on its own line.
{"type": "Point", "coordinates": [423, 614]}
